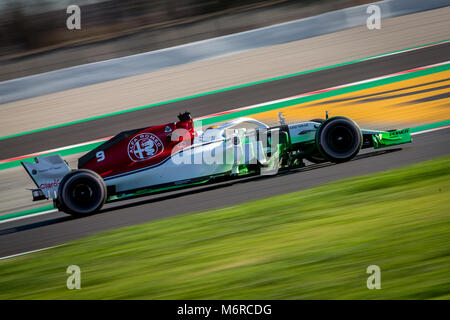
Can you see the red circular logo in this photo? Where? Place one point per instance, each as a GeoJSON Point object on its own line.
{"type": "Point", "coordinates": [144, 146]}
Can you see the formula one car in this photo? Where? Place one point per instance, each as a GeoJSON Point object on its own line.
{"type": "Point", "coordinates": [178, 155]}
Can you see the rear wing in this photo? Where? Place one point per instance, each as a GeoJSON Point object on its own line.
{"type": "Point", "coordinates": [47, 173]}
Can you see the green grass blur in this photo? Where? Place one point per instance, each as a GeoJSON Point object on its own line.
{"type": "Point", "coordinates": [312, 244]}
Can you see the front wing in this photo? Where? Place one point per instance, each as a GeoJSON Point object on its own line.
{"type": "Point", "coordinates": [391, 138]}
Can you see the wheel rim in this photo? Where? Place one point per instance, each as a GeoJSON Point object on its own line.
{"type": "Point", "coordinates": [340, 139]}
{"type": "Point", "coordinates": [82, 193]}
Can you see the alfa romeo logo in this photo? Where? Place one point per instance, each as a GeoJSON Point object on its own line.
{"type": "Point", "coordinates": [144, 146]}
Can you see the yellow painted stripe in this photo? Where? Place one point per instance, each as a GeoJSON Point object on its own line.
{"type": "Point", "coordinates": [384, 113]}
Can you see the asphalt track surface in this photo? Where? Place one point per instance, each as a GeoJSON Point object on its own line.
{"type": "Point", "coordinates": [53, 229]}
{"type": "Point", "coordinates": [204, 105]}
{"type": "Point", "coordinates": [56, 228]}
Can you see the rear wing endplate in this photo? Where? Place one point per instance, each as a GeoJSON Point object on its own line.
{"type": "Point", "coordinates": [47, 173]}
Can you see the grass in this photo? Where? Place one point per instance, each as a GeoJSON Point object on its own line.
{"type": "Point", "coordinates": [312, 244]}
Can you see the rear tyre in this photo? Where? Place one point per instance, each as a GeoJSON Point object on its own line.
{"type": "Point", "coordinates": [339, 139]}
{"type": "Point", "coordinates": [81, 192]}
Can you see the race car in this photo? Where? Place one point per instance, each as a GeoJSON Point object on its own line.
{"type": "Point", "coordinates": [181, 154]}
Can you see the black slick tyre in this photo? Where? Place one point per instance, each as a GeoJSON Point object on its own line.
{"type": "Point", "coordinates": [81, 193]}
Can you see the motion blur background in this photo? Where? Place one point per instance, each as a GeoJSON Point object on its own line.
{"type": "Point", "coordinates": [317, 238]}
{"type": "Point", "coordinates": [35, 39]}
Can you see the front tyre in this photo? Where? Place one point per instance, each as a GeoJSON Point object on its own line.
{"type": "Point", "coordinates": [315, 158]}
{"type": "Point", "coordinates": [81, 192]}
{"type": "Point", "coordinates": [339, 139]}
